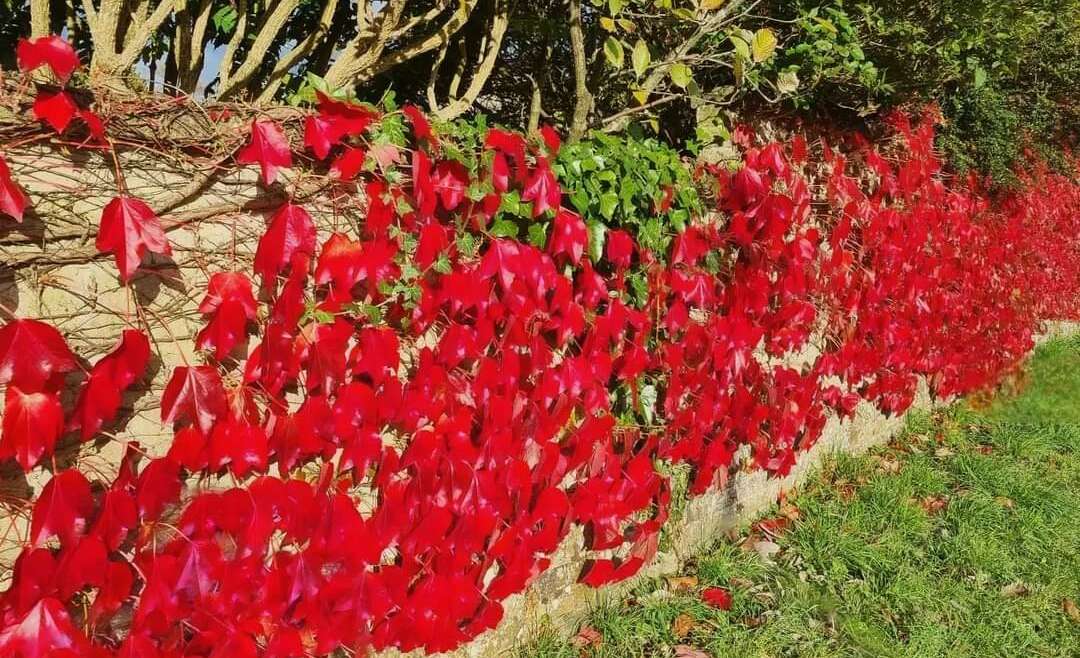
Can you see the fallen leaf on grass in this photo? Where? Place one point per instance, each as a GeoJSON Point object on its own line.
{"type": "Point", "coordinates": [686, 651]}
{"type": "Point", "coordinates": [752, 621]}
{"type": "Point", "coordinates": [789, 512]}
{"type": "Point", "coordinates": [682, 626]}
{"type": "Point", "coordinates": [1007, 503]}
{"type": "Point", "coordinates": [587, 636]}
{"type": "Point", "coordinates": [682, 583]}
{"type": "Point", "coordinates": [933, 504]}
{"type": "Point", "coordinates": [986, 449]}
{"type": "Point", "coordinates": [1071, 610]}
{"type": "Point", "coordinates": [944, 451]}
{"type": "Point", "coordinates": [766, 550]}
{"type": "Point", "coordinates": [741, 583]}
{"type": "Point", "coordinates": [717, 597]}
{"type": "Point", "coordinates": [1014, 590]}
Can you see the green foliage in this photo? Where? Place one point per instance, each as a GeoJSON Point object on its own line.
{"type": "Point", "coordinates": [622, 181]}
{"type": "Point", "coordinates": [1004, 73]}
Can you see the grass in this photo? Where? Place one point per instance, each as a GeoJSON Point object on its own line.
{"type": "Point", "coordinates": [961, 538]}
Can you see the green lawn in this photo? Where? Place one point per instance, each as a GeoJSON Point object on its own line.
{"type": "Point", "coordinates": [960, 539]}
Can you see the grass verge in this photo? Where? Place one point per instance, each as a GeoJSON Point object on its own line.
{"type": "Point", "coordinates": [960, 538]}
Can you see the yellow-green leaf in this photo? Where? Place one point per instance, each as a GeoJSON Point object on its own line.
{"type": "Point", "coordinates": [641, 57]}
{"type": "Point", "coordinates": [709, 5]}
{"type": "Point", "coordinates": [680, 74]}
{"type": "Point", "coordinates": [742, 49]}
{"type": "Point", "coordinates": [615, 6]}
{"type": "Point", "coordinates": [607, 23]}
{"type": "Point", "coordinates": [787, 82]}
{"type": "Point", "coordinates": [640, 95]}
{"type": "Point", "coordinates": [739, 68]}
{"type": "Point", "coordinates": [613, 51]}
{"type": "Point", "coordinates": [764, 44]}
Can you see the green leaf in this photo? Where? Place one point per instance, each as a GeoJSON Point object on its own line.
{"type": "Point", "coordinates": [742, 48]}
{"type": "Point", "coordinates": [613, 51]}
{"type": "Point", "coordinates": [597, 234]}
{"type": "Point", "coordinates": [681, 74]}
{"type": "Point", "coordinates": [538, 235]}
{"type": "Point", "coordinates": [641, 58]}
{"type": "Point", "coordinates": [764, 44]}
{"type": "Point", "coordinates": [504, 228]}
{"type": "Point", "coordinates": [609, 201]}
{"type": "Point", "coordinates": [980, 77]}
{"type": "Point", "coordinates": [647, 399]}
{"type": "Point", "coordinates": [224, 19]}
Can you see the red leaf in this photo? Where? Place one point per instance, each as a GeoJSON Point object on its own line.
{"type": "Point", "coordinates": [320, 136]}
{"type": "Point", "coordinates": [63, 509]}
{"type": "Point", "coordinates": [43, 632]}
{"type": "Point", "coordinates": [230, 303]}
{"type": "Point", "coordinates": [31, 353]}
{"type": "Point", "coordinates": [194, 394]}
{"type": "Point", "coordinates": [570, 236]}
{"type": "Point", "coordinates": [347, 165]}
{"type": "Point", "coordinates": [52, 51]}
{"type": "Point", "coordinates": [32, 424]}
{"type": "Point", "coordinates": [347, 263]}
{"type": "Point", "coordinates": [158, 485]}
{"type": "Point", "coordinates": [551, 139]}
{"type": "Point", "coordinates": [100, 397]}
{"type": "Point", "coordinates": [451, 179]}
{"type": "Point", "coordinates": [129, 228]}
{"type": "Point", "coordinates": [269, 148]}
{"type": "Point", "coordinates": [717, 597]}
{"type": "Point", "coordinates": [344, 119]}
{"type": "Point", "coordinates": [421, 127]}
{"type": "Point", "coordinates": [81, 565]}
{"type": "Point", "coordinates": [12, 199]}
{"type": "Point", "coordinates": [620, 248]}
{"type": "Point", "coordinates": [542, 189]}
{"type": "Point", "coordinates": [94, 124]}
{"type": "Point", "coordinates": [56, 109]}
{"type": "Point", "coordinates": [291, 232]}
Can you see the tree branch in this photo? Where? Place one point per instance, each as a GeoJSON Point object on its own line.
{"type": "Point", "coordinates": [499, 22]}
{"type": "Point", "coordinates": [584, 99]}
{"type": "Point", "coordinates": [272, 23]}
{"type": "Point", "coordinates": [302, 49]}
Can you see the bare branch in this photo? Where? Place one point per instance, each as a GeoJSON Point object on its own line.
{"type": "Point", "coordinates": [302, 49]}
{"type": "Point", "coordinates": [499, 22]}
{"type": "Point", "coordinates": [39, 18]}
{"type": "Point", "coordinates": [272, 23]}
{"type": "Point", "coordinates": [357, 65]}
{"type": "Point", "coordinates": [584, 102]}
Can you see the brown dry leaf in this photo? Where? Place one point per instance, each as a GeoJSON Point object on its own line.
{"type": "Point", "coordinates": [986, 449]}
{"type": "Point", "coordinates": [1007, 503]}
{"type": "Point", "coordinates": [1014, 590]}
{"type": "Point", "coordinates": [789, 511]}
{"type": "Point", "coordinates": [1071, 610]}
{"type": "Point", "coordinates": [682, 626]}
{"type": "Point", "coordinates": [889, 464]}
{"type": "Point", "coordinates": [753, 621]}
{"type": "Point", "coordinates": [682, 583]}
{"type": "Point", "coordinates": [686, 651]}
{"type": "Point", "coordinates": [934, 504]}
{"type": "Point", "coordinates": [587, 637]}
{"type": "Point", "coordinates": [741, 583]}
{"type": "Point", "coordinates": [944, 451]}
